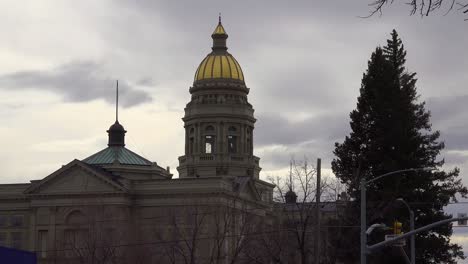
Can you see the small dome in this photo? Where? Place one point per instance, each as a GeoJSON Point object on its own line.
{"type": "Point", "coordinates": [219, 64]}
{"type": "Point", "coordinates": [290, 197]}
{"type": "Point", "coordinates": [116, 135]}
{"type": "Point", "coordinates": [116, 127]}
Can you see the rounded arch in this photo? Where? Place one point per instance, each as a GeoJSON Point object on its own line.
{"type": "Point", "coordinates": [75, 217]}
{"type": "Point", "coordinates": [209, 128]}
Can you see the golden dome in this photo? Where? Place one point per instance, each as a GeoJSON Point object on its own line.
{"type": "Point", "coordinates": [219, 64]}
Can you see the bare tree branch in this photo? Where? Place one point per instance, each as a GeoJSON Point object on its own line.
{"type": "Point", "coordinates": [423, 7]}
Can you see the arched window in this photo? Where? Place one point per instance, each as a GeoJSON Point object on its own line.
{"type": "Point", "coordinates": [76, 231]}
{"type": "Point", "coordinates": [249, 148]}
{"type": "Point", "coordinates": [209, 144]}
{"type": "Point", "coordinates": [76, 218]}
{"type": "Point", "coordinates": [209, 139]}
{"type": "Point", "coordinates": [191, 145]}
{"type": "Point", "coordinates": [191, 140]}
{"type": "Point", "coordinates": [232, 144]}
{"type": "Point", "coordinates": [232, 139]}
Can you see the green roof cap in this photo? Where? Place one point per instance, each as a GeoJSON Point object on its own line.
{"type": "Point", "coordinates": [118, 154]}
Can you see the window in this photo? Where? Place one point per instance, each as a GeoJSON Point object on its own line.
{"type": "Point", "coordinates": [191, 144]}
{"type": "Point", "coordinates": [16, 220]}
{"type": "Point", "coordinates": [232, 139]}
{"type": "Point", "coordinates": [3, 220]}
{"type": "Point", "coordinates": [16, 239]}
{"type": "Point", "coordinates": [232, 144]}
{"type": "Point", "coordinates": [3, 239]}
{"type": "Point", "coordinates": [249, 147]}
{"type": "Point", "coordinates": [209, 129]}
{"type": "Point", "coordinates": [42, 243]}
{"type": "Point", "coordinates": [209, 144]}
{"type": "Point", "coordinates": [74, 238]}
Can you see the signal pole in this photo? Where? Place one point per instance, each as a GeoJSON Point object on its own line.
{"type": "Point", "coordinates": [317, 213]}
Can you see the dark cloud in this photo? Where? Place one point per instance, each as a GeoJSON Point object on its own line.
{"type": "Point", "coordinates": [76, 82]}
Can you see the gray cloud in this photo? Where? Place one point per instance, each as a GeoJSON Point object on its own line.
{"type": "Point", "coordinates": [277, 138]}
{"type": "Point", "coordinates": [76, 82]}
{"type": "Point", "coordinates": [275, 129]}
{"type": "Point", "coordinates": [449, 115]}
{"type": "Point", "coordinates": [454, 158]}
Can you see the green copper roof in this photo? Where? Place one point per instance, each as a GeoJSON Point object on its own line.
{"type": "Point", "coordinates": [118, 154]}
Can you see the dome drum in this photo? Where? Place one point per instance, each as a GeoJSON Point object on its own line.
{"type": "Point", "coordinates": [224, 84]}
{"type": "Point", "coordinates": [219, 120]}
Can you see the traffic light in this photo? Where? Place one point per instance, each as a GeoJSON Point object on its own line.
{"type": "Point", "coordinates": [397, 226]}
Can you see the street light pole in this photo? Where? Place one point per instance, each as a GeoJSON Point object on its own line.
{"type": "Point", "coordinates": [363, 222]}
{"type": "Point", "coordinates": [412, 239]}
{"type": "Point", "coordinates": [363, 207]}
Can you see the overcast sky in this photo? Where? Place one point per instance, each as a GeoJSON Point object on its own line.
{"type": "Point", "coordinates": [303, 61]}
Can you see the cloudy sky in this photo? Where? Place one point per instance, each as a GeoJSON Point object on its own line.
{"type": "Point", "coordinates": [303, 61]}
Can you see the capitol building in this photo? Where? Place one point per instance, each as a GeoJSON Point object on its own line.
{"type": "Point", "coordinates": [115, 206]}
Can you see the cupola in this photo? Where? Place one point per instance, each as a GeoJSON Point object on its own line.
{"type": "Point", "coordinates": [116, 135]}
{"type": "Point", "coordinates": [219, 64]}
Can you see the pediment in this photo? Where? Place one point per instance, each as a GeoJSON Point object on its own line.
{"type": "Point", "coordinates": [76, 178]}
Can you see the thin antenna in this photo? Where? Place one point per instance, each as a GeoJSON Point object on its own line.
{"type": "Point", "coordinates": [117, 102]}
{"type": "Point", "coordinates": [290, 176]}
{"type": "Point", "coordinates": [220, 17]}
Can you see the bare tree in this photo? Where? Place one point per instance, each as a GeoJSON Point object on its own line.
{"type": "Point", "coordinates": [185, 232]}
{"type": "Point", "coordinates": [422, 7]}
{"type": "Point", "coordinates": [215, 233]}
{"type": "Point", "coordinates": [89, 238]}
{"type": "Point", "coordinates": [291, 235]}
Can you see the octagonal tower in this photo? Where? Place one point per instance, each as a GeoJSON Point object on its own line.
{"type": "Point", "coordinates": [219, 120]}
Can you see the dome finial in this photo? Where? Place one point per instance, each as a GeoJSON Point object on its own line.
{"type": "Point", "coordinates": [117, 102]}
{"type": "Point", "coordinates": [219, 37]}
{"type": "Point", "coordinates": [116, 131]}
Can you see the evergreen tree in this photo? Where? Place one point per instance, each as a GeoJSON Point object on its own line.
{"type": "Point", "coordinates": [391, 131]}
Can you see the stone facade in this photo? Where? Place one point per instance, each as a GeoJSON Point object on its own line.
{"type": "Point", "coordinates": [117, 207]}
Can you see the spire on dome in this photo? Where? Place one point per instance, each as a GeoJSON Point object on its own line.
{"type": "Point", "coordinates": [116, 131]}
{"type": "Point", "coordinates": [219, 37]}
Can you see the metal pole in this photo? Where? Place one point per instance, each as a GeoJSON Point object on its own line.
{"type": "Point", "coordinates": [403, 254]}
{"type": "Point", "coordinates": [317, 212]}
{"type": "Point", "coordinates": [363, 206]}
{"type": "Point", "coordinates": [363, 222]}
{"type": "Point", "coordinates": [413, 243]}
{"type": "Point", "coordinates": [414, 232]}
